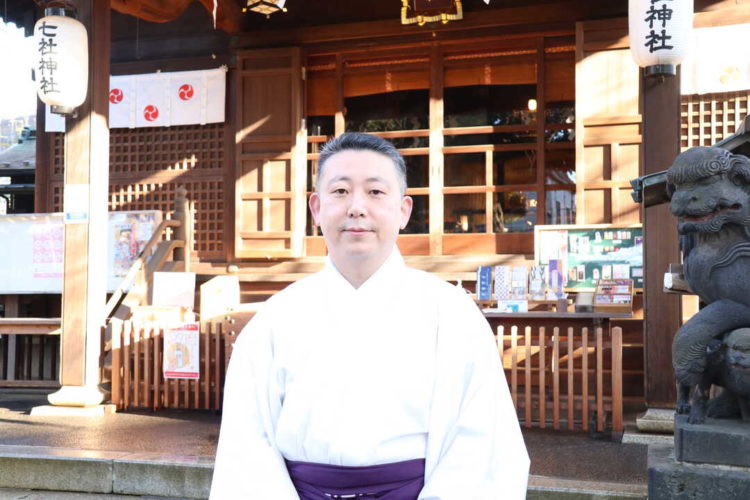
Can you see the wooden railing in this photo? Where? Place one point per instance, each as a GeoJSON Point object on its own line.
{"type": "Point", "coordinates": [156, 254]}
{"type": "Point", "coordinates": [559, 378]}
{"type": "Point", "coordinates": [564, 378]}
{"type": "Point", "coordinates": [29, 352]}
{"type": "Point", "coordinates": [137, 369]}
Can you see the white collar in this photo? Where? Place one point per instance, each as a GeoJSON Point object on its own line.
{"type": "Point", "coordinates": [385, 275]}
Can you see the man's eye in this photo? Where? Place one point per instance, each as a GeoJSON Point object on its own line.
{"type": "Point", "coordinates": [339, 191]}
{"type": "Point", "coordinates": [376, 192]}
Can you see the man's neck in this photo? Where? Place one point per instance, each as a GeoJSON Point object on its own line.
{"type": "Point", "coordinates": [356, 272]}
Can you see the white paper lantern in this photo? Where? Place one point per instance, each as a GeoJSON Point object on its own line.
{"type": "Point", "coordinates": [61, 60]}
{"type": "Point", "coordinates": [659, 32]}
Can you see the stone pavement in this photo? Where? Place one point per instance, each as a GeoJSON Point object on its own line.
{"type": "Point", "coordinates": [170, 454]}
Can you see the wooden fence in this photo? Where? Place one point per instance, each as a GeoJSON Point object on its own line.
{"type": "Point", "coordinates": [29, 360]}
{"type": "Point", "coordinates": [564, 378]}
{"type": "Point", "coordinates": [137, 369]}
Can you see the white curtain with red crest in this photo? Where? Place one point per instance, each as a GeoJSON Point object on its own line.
{"type": "Point", "coordinates": [167, 99]}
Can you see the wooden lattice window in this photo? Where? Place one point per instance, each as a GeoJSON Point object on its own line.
{"type": "Point", "coordinates": [58, 154]}
{"type": "Point", "coordinates": [148, 164]}
{"type": "Point", "coordinates": [189, 147]}
{"type": "Point", "coordinates": [707, 119]}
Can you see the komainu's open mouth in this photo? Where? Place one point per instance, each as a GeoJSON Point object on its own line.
{"type": "Point", "coordinates": [711, 215]}
{"type": "Point", "coordinates": [740, 367]}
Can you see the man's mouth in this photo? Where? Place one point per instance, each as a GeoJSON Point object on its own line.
{"type": "Point", "coordinates": [711, 215]}
{"type": "Point", "coordinates": [357, 230]}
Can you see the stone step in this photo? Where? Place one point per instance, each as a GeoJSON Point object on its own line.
{"type": "Point", "coordinates": [105, 472]}
{"type": "Point", "coordinates": [72, 474]}
{"type": "Point", "coordinates": [554, 488]}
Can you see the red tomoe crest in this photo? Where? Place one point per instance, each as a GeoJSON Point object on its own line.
{"type": "Point", "coordinates": [115, 96]}
{"type": "Point", "coordinates": [151, 112]}
{"type": "Point", "coordinates": [185, 92]}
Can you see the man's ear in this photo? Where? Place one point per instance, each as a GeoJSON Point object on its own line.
{"type": "Point", "coordinates": [406, 205]}
{"type": "Point", "coordinates": [314, 204]}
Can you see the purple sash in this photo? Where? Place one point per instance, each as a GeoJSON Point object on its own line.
{"type": "Point", "coordinates": [395, 481]}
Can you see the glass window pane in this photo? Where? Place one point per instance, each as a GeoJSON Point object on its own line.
{"type": "Point", "coordinates": [477, 105]}
{"type": "Point", "coordinates": [312, 172]}
{"type": "Point", "coordinates": [560, 135]}
{"type": "Point", "coordinates": [465, 169]}
{"type": "Point", "coordinates": [320, 125]}
{"type": "Point", "coordinates": [520, 137]}
{"type": "Point", "coordinates": [561, 112]}
{"type": "Point", "coordinates": [390, 111]}
{"type": "Point", "coordinates": [561, 207]}
{"type": "Point", "coordinates": [419, 222]}
{"type": "Point", "coordinates": [464, 213]}
{"type": "Point", "coordinates": [514, 167]}
{"type": "Point", "coordinates": [560, 167]}
{"type": "Point", "coordinates": [514, 212]}
{"type": "Point", "coordinates": [417, 171]}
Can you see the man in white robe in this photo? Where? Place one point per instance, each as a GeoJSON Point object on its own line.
{"type": "Point", "coordinates": [367, 363]}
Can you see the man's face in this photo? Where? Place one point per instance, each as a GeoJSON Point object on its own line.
{"type": "Point", "coordinates": [359, 207]}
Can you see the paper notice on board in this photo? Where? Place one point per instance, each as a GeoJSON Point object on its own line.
{"type": "Point", "coordinates": [620, 271]}
{"type": "Point", "coordinates": [76, 203]}
{"type": "Point", "coordinates": [47, 250]}
{"type": "Point", "coordinates": [181, 352]}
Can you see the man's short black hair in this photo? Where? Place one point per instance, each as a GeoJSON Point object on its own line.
{"type": "Point", "coordinates": [355, 141]}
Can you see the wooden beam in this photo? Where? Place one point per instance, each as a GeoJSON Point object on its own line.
{"type": "Point", "coordinates": [662, 312]}
{"type": "Point", "coordinates": [228, 14]}
{"type": "Point", "coordinates": [84, 266]}
{"type": "Point", "coordinates": [43, 168]}
{"type": "Point", "coordinates": [555, 13]}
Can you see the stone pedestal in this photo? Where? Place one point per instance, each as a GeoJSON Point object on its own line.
{"type": "Point", "coordinates": [725, 442]}
{"type": "Point", "coordinates": [708, 461]}
{"type": "Point", "coordinates": [660, 420]}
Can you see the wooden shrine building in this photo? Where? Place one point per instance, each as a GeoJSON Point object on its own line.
{"type": "Point", "coordinates": [523, 113]}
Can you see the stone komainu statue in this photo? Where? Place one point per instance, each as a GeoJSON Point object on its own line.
{"type": "Point", "coordinates": [710, 195]}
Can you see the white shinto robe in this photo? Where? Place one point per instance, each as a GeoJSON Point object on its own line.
{"type": "Point", "coordinates": [403, 367]}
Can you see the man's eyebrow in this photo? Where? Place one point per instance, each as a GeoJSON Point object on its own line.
{"type": "Point", "coordinates": [344, 178]}
{"type": "Point", "coordinates": [340, 178]}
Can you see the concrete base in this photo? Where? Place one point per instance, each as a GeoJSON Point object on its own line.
{"type": "Point", "coordinates": [669, 479]}
{"type": "Point", "coordinates": [660, 420]}
{"type": "Point", "coordinates": [77, 395]}
{"type": "Point", "coordinates": [86, 471]}
{"type": "Point", "coordinates": [555, 488]}
{"type": "Point", "coordinates": [73, 411]}
{"type": "Point", "coordinates": [647, 438]}
{"type": "Point", "coordinates": [718, 441]}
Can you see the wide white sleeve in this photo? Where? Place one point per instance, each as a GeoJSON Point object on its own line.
{"type": "Point", "coordinates": [475, 447]}
{"type": "Point", "coordinates": [247, 465]}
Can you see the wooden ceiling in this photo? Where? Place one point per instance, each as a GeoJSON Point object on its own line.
{"type": "Point", "coordinates": [301, 13]}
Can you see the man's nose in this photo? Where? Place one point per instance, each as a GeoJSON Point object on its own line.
{"type": "Point", "coordinates": [356, 205]}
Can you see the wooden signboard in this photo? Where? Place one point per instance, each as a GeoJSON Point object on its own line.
{"type": "Point", "coordinates": [590, 253]}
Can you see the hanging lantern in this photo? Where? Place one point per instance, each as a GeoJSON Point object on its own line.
{"type": "Point", "coordinates": [266, 7]}
{"type": "Point", "coordinates": [429, 11]}
{"type": "Point", "coordinates": [659, 33]}
{"type": "Point", "coordinates": [61, 60]}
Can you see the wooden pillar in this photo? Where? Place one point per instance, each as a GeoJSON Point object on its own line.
{"type": "Point", "coordinates": [437, 163]}
{"type": "Point", "coordinates": [662, 312]}
{"type": "Point", "coordinates": [85, 248]}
